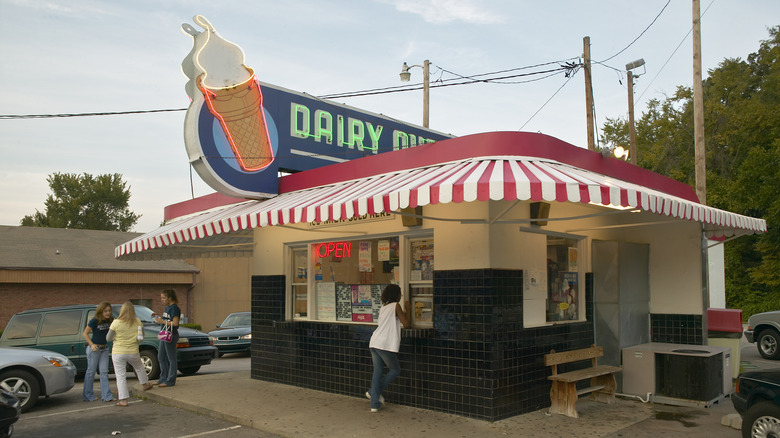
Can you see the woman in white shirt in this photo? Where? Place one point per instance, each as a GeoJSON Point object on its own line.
{"type": "Point", "coordinates": [385, 342]}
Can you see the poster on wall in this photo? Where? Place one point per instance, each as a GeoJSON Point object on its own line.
{"type": "Point", "coordinates": [365, 257]}
{"type": "Point", "coordinates": [535, 284]}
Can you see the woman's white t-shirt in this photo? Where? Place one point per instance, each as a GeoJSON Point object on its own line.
{"type": "Point", "coordinates": [387, 335]}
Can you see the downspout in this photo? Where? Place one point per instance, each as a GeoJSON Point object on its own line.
{"type": "Point", "coordinates": [705, 286]}
{"type": "Point", "coordinates": [189, 297]}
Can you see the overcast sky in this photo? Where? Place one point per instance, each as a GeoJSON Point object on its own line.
{"type": "Point", "coordinates": [86, 56]}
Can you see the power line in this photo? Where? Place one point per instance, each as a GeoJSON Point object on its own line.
{"type": "Point", "coordinates": [569, 76]}
{"type": "Point", "coordinates": [672, 55]}
{"type": "Point", "coordinates": [114, 113]}
{"type": "Point", "coordinates": [567, 67]}
{"type": "Point", "coordinates": [640, 35]}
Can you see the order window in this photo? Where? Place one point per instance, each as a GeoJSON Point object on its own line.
{"type": "Point", "coordinates": [343, 280]}
{"type": "Point", "coordinates": [563, 279]}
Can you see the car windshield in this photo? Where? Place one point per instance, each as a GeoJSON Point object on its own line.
{"type": "Point", "coordinates": [141, 312]}
{"type": "Point", "coordinates": [237, 320]}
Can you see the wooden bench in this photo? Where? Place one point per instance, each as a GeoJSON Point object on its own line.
{"type": "Point", "coordinates": [564, 392]}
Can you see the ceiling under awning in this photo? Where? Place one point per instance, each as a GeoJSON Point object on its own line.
{"type": "Point", "coordinates": [565, 174]}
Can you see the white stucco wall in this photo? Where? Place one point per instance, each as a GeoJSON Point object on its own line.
{"type": "Point", "coordinates": [675, 254]}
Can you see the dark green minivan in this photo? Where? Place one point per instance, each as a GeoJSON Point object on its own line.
{"type": "Point", "coordinates": [60, 329]}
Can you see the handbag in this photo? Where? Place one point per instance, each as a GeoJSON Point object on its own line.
{"type": "Point", "coordinates": [166, 333]}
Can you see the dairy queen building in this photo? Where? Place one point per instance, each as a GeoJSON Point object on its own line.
{"type": "Point", "coordinates": [507, 244]}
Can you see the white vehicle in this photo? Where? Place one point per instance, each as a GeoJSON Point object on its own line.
{"type": "Point", "coordinates": [29, 373]}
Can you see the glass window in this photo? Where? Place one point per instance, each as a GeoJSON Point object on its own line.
{"type": "Point", "coordinates": [23, 326]}
{"type": "Point", "coordinates": [300, 282]}
{"type": "Point", "coordinates": [563, 281]}
{"type": "Point", "coordinates": [61, 323]}
{"type": "Point", "coordinates": [421, 282]}
{"type": "Point", "coordinates": [343, 280]}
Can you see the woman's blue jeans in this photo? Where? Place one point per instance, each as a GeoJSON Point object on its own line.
{"type": "Point", "coordinates": [382, 358]}
{"type": "Point", "coordinates": [97, 360]}
{"type": "Point", "coordinates": [168, 363]}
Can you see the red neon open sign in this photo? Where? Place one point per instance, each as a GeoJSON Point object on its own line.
{"type": "Point", "coordinates": [337, 249]}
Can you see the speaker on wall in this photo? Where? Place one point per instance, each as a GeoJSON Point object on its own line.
{"type": "Point", "coordinates": [540, 210]}
{"type": "Point", "coordinates": [411, 221]}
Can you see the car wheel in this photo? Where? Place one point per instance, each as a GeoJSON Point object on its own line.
{"type": "Point", "coordinates": [768, 343]}
{"type": "Point", "coordinates": [23, 385]}
{"type": "Point", "coordinates": [151, 364]}
{"type": "Point", "coordinates": [761, 420]}
{"type": "Point", "coordinates": [189, 370]}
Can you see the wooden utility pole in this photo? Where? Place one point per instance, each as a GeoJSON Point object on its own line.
{"type": "Point", "coordinates": [588, 94]}
{"type": "Point", "coordinates": [698, 109]}
{"type": "Point", "coordinates": [631, 129]}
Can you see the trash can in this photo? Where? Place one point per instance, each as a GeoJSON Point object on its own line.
{"type": "Point", "coordinates": [724, 329]}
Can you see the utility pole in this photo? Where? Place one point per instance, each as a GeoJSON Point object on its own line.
{"type": "Point", "coordinates": [698, 109]}
{"type": "Point", "coordinates": [631, 130]}
{"type": "Point", "coordinates": [426, 92]}
{"type": "Point", "coordinates": [588, 93]}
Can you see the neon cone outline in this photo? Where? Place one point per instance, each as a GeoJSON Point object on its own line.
{"type": "Point", "coordinates": [240, 113]}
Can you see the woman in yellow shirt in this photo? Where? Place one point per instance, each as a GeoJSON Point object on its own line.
{"type": "Point", "coordinates": [127, 331]}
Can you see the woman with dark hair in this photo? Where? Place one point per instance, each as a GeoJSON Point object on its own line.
{"type": "Point", "coordinates": [97, 353]}
{"type": "Point", "coordinates": [167, 353]}
{"type": "Point", "coordinates": [385, 342]}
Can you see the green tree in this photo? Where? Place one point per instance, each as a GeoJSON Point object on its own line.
{"type": "Point", "coordinates": [85, 202]}
{"type": "Point", "coordinates": [742, 131]}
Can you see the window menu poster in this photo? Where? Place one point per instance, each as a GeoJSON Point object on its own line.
{"type": "Point", "coordinates": [365, 257]}
{"type": "Point", "coordinates": [326, 301]}
{"type": "Point", "coordinates": [376, 298]}
{"type": "Point", "coordinates": [343, 302]}
{"type": "Point", "coordinates": [361, 303]}
{"type": "Point", "coordinates": [356, 302]}
{"type": "Point", "coordinates": [383, 251]}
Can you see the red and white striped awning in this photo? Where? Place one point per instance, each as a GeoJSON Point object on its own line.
{"type": "Point", "coordinates": [485, 178]}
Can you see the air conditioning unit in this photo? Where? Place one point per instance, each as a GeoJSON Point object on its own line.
{"type": "Point", "coordinates": [677, 374]}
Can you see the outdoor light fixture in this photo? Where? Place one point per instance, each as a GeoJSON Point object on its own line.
{"type": "Point", "coordinates": [406, 75]}
{"type": "Point", "coordinates": [620, 152]}
{"type": "Point", "coordinates": [636, 64]}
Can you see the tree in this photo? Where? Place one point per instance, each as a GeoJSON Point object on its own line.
{"type": "Point", "coordinates": [85, 202]}
{"type": "Point", "coordinates": [742, 125]}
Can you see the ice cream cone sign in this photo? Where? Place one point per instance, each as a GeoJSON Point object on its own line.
{"type": "Point", "coordinates": [217, 76]}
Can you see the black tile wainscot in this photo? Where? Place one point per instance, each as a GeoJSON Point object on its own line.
{"type": "Point", "coordinates": [477, 361]}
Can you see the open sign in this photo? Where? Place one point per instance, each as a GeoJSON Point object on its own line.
{"type": "Point", "coordinates": [336, 249]}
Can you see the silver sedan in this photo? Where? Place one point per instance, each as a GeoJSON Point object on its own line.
{"type": "Point", "coordinates": [29, 373]}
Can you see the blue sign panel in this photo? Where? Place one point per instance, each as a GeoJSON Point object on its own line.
{"type": "Point", "coordinates": [304, 133]}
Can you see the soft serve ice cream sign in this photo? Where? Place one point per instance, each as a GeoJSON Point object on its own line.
{"type": "Point", "coordinates": [231, 133]}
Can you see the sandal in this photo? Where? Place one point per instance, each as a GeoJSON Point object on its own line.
{"type": "Point", "coordinates": [148, 386]}
{"type": "Point", "coordinates": [122, 404]}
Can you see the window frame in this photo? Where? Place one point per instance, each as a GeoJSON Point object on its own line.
{"type": "Point", "coordinates": [292, 248]}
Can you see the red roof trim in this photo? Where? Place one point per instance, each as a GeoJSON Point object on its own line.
{"type": "Point", "coordinates": [486, 144]}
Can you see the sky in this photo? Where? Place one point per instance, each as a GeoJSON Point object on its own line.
{"type": "Point", "coordinates": [95, 56]}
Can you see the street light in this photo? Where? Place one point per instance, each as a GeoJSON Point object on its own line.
{"type": "Point", "coordinates": [406, 75]}
{"type": "Point", "coordinates": [631, 132]}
